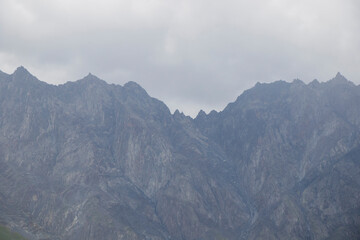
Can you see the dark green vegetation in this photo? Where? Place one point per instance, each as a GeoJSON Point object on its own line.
{"type": "Point", "coordinates": [89, 160]}
{"type": "Point", "coordinates": [6, 234]}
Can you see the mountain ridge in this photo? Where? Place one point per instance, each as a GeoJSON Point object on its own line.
{"type": "Point", "coordinates": [21, 70]}
{"type": "Point", "coordinates": [90, 160]}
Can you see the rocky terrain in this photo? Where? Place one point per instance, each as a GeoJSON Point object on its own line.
{"type": "Point", "coordinates": [90, 160]}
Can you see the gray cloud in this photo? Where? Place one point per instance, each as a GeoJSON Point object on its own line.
{"type": "Point", "coordinates": [191, 54]}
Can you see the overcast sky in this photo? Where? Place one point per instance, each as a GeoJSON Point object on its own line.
{"type": "Point", "coordinates": [191, 54]}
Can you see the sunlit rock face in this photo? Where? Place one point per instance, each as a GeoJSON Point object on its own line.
{"type": "Point", "coordinates": [89, 160]}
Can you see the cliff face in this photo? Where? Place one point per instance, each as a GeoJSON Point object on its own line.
{"type": "Point", "coordinates": [89, 160]}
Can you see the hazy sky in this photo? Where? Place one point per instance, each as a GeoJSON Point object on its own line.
{"type": "Point", "coordinates": [191, 54]}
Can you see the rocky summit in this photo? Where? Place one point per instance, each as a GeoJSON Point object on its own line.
{"type": "Point", "coordinates": [90, 160]}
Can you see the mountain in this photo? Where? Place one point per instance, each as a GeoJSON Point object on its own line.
{"type": "Point", "coordinates": [90, 160]}
{"type": "Point", "coordinates": [296, 151]}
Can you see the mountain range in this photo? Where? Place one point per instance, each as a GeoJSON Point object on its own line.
{"type": "Point", "coordinates": [91, 160]}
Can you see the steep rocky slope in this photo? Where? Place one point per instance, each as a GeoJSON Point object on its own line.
{"type": "Point", "coordinates": [295, 148]}
{"type": "Point", "coordinates": [89, 160]}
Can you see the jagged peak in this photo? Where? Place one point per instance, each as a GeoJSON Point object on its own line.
{"type": "Point", "coordinates": [21, 71]}
{"type": "Point", "coordinates": [201, 114]}
{"type": "Point", "coordinates": [178, 113]}
{"type": "Point", "coordinates": [21, 68]}
{"type": "Point", "coordinates": [314, 83]}
{"type": "Point", "coordinates": [21, 74]}
{"type": "Point", "coordinates": [90, 78]}
{"type": "Point", "coordinates": [213, 112]}
{"type": "Point", "coordinates": [339, 79]}
{"type": "Point", "coordinates": [339, 75]}
{"type": "Point", "coordinates": [266, 84]}
{"type": "Point", "coordinates": [298, 81]}
{"type": "Point", "coordinates": [133, 86]}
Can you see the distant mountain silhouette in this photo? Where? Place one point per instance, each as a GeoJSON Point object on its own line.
{"type": "Point", "coordinates": [89, 160]}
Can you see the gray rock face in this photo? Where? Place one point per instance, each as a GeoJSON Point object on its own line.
{"type": "Point", "coordinates": [295, 148]}
{"type": "Point", "coordinates": [89, 160]}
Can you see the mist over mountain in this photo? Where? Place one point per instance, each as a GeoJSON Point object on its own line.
{"type": "Point", "coordinates": [90, 160]}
